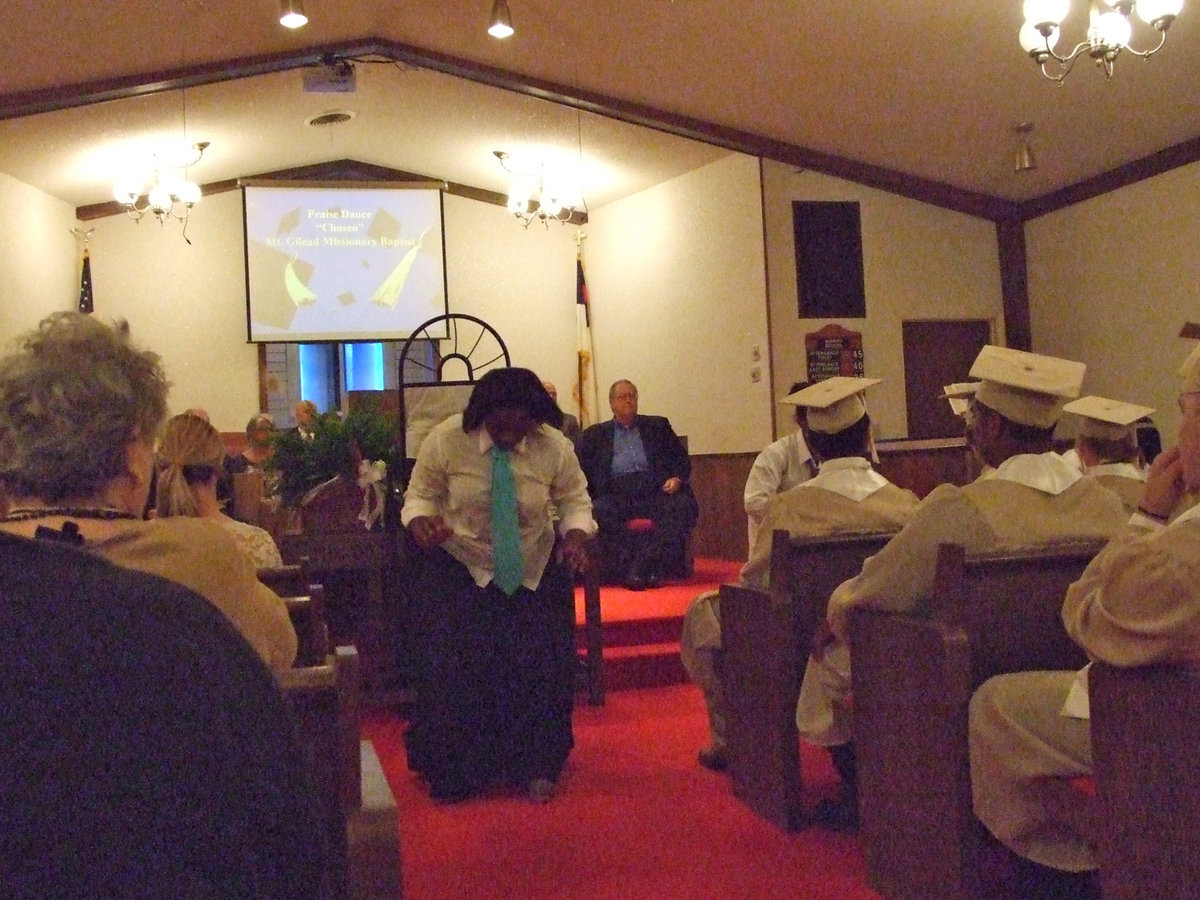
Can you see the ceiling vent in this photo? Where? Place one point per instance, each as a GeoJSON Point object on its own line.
{"type": "Point", "coordinates": [334, 117]}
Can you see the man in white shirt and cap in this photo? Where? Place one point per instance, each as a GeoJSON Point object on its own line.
{"type": "Point", "coordinates": [780, 466]}
{"type": "Point", "coordinates": [1029, 496]}
{"type": "Point", "coordinates": [1106, 444]}
{"type": "Point", "coordinates": [846, 496]}
{"type": "Point", "coordinates": [1137, 603]}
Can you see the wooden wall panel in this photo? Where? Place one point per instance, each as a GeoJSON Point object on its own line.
{"type": "Point", "coordinates": [921, 466]}
{"type": "Point", "coordinates": [718, 481]}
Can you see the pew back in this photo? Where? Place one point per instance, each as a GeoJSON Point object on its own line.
{"type": "Point", "coordinates": [766, 638]}
{"type": "Point", "coordinates": [1145, 731]}
{"type": "Point", "coordinates": [305, 602]}
{"type": "Point", "coordinates": [913, 676]}
{"type": "Point", "coordinates": [325, 705]}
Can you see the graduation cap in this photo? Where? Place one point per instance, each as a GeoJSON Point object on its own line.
{"type": "Point", "coordinates": [1106, 419]}
{"type": "Point", "coordinates": [1190, 370]}
{"type": "Point", "coordinates": [1027, 388]}
{"type": "Point", "coordinates": [834, 404]}
{"type": "Point", "coordinates": [959, 394]}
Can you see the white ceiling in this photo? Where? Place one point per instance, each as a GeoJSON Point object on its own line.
{"type": "Point", "coordinates": [924, 89]}
{"type": "Point", "coordinates": [414, 120]}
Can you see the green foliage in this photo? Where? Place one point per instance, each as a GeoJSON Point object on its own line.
{"type": "Point", "coordinates": [336, 448]}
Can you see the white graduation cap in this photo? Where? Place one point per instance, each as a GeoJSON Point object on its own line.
{"type": "Point", "coordinates": [834, 404]}
{"type": "Point", "coordinates": [1106, 419]}
{"type": "Point", "coordinates": [1027, 388]}
{"type": "Point", "coordinates": [959, 394]}
{"type": "Point", "coordinates": [1190, 370]}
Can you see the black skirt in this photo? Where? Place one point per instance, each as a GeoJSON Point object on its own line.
{"type": "Point", "coordinates": [493, 680]}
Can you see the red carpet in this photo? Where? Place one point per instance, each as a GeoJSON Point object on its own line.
{"type": "Point", "coordinates": [635, 817]}
{"type": "Point", "coordinates": [669, 601]}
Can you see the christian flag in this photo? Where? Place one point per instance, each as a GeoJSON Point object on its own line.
{"type": "Point", "coordinates": [585, 370]}
{"type": "Point", "coordinates": [85, 284]}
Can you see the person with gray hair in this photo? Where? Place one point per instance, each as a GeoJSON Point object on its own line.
{"type": "Point", "coordinates": [260, 431]}
{"type": "Point", "coordinates": [80, 407]}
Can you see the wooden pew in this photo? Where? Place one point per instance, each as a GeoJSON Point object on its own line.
{"type": "Point", "coordinates": [287, 580]}
{"type": "Point", "coordinates": [1145, 734]}
{"type": "Point", "coordinates": [913, 676]}
{"type": "Point", "coordinates": [359, 572]}
{"type": "Point", "coordinates": [766, 638]}
{"type": "Point", "coordinates": [305, 602]}
{"type": "Point", "coordinates": [360, 812]}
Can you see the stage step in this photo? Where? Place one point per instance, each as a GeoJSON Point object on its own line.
{"type": "Point", "coordinates": [641, 653]}
{"type": "Point", "coordinates": [643, 666]}
{"type": "Point", "coordinates": [641, 630]}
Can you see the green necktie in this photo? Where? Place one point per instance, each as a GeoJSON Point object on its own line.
{"type": "Point", "coordinates": [508, 570]}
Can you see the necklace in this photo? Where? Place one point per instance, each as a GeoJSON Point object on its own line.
{"type": "Point", "coordinates": [45, 512]}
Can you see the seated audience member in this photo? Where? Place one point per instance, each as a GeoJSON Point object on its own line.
{"type": "Point", "coordinates": [1030, 497]}
{"type": "Point", "coordinates": [260, 431]}
{"type": "Point", "coordinates": [224, 485]}
{"type": "Point", "coordinates": [570, 425]}
{"type": "Point", "coordinates": [189, 462]}
{"type": "Point", "coordinates": [495, 675]}
{"type": "Point", "coordinates": [305, 413]}
{"type": "Point", "coordinates": [260, 446]}
{"type": "Point", "coordinates": [79, 409]}
{"type": "Point", "coordinates": [780, 466]}
{"type": "Point", "coordinates": [1106, 443]}
{"type": "Point", "coordinates": [148, 751]}
{"type": "Point", "coordinates": [636, 467]}
{"type": "Point", "coordinates": [1137, 604]}
{"type": "Point", "coordinates": [847, 496]}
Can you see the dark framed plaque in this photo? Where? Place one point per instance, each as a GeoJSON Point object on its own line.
{"type": "Point", "coordinates": [833, 350]}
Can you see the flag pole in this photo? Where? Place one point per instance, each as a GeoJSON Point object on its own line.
{"type": "Point", "coordinates": [581, 355]}
{"type": "Point", "coordinates": [85, 271]}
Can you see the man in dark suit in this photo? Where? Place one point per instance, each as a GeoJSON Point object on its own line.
{"type": "Point", "coordinates": [637, 467]}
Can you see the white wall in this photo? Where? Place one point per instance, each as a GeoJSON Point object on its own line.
{"type": "Point", "coordinates": [39, 258]}
{"type": "Point", "coordinates": [1111, 281]}
{"type": "Point", "coordinates": [520, 281]}
{"type": "Point", "coordinates": [677, 283]}
{"type": "Point", "coordinates": [919, 262]}
{"type": "Point", "coordinates": [187, 303]}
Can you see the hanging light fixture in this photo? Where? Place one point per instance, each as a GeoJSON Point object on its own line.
{"type": "Point", "coordinates": [167, 194]}
{"type": "Point", "coordinates": [535, 196]}
{"type": "Point", "coordinates": [1109, 32]}
{"type": "Point", "coordinates": [1023, 160]}
{"type": "Point", "coordinates": [501, 23]}
{"type": "Point", "coordinates": [291, 14]}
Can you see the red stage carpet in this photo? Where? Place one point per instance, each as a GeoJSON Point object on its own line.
{"type": "Point", "coordinates": [668, 601]}
{"type": "Point", "coordinates": [635, 817]}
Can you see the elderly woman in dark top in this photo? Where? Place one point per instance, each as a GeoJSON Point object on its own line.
{"type": "Point", "coordinates": [79, 410]}
{"type": "Point", "coordinates": [495, 682]}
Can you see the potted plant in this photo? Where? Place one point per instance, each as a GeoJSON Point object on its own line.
{"type": "Point", "coordinates": [346, 458]}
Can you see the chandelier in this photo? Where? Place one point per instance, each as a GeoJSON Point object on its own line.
{"type": "Point", "coordinates": [537, 196]}
{"type": "Point", "coordinates": [1109, 32]}
{"type": "Point", "coordinates": [167, 194]}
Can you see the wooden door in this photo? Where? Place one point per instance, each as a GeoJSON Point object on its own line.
{"type": "Point", "coordinates": [938, 352]}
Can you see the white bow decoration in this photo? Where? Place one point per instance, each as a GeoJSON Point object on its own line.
{"type": "Point", "coordinates": [371, 476]}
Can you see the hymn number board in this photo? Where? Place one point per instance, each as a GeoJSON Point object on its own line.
{"type": "Point", "coordinates": [833, 350]}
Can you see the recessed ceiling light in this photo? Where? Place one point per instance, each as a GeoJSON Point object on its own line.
{"type": "Point", "coordinates": [333, 117]}
{"type": "Point", "coordinates": [291, 14]}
